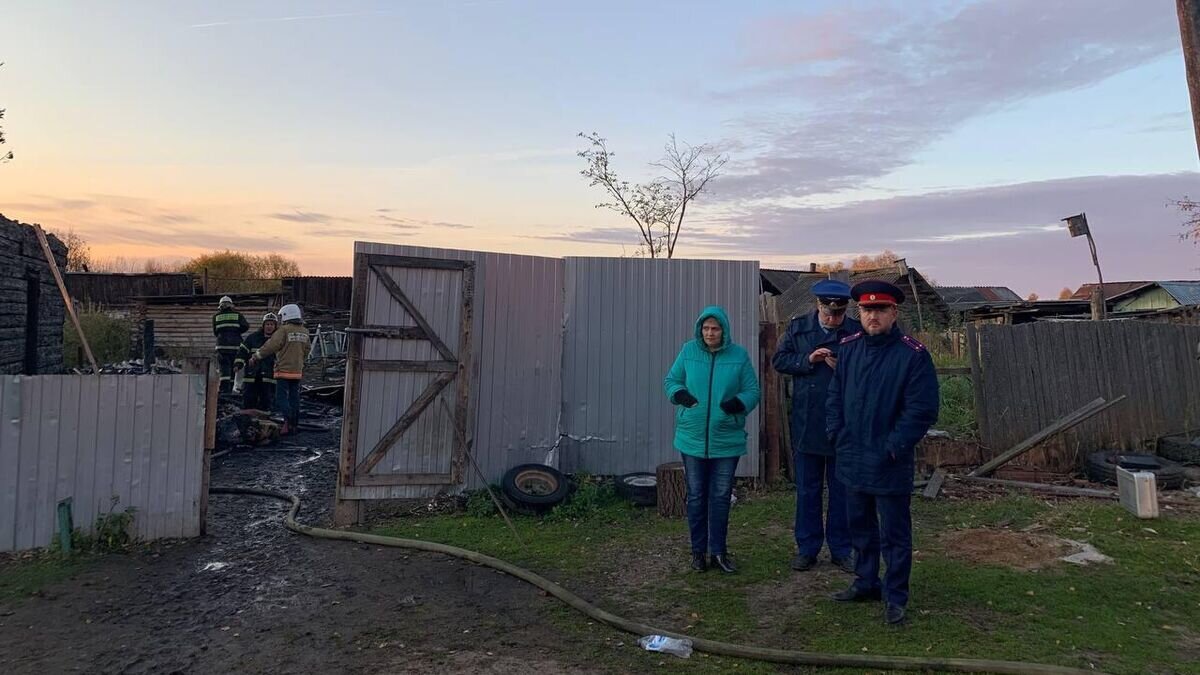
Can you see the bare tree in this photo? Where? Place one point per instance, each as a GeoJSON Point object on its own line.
{"type": "Point", "coordinates": [657, 207]}
{"type": "Point", "coordinates": [1065, 293]}
{"type": "Point", "coordinates": [1191, 218]}
{"type": "Point", "coordinates": [4, 157]}
{"type": "Point", "coordinates": [79, 253]}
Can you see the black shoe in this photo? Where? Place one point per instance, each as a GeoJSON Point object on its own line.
{"type": "Point", "coordinates": [845, 563]}
{"type": "Point", "coordinates": [894, 614]}
{"type": "Point", "coordinates": [699, 562]}
{"type": "Point", "coordinates": [802, 562]}
{"type": "Point", "coordinates": [724, 562]}
{"type": "Point", "coordinates": [855, 594]}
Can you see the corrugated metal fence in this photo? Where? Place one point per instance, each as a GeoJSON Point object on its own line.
{"type": "Point", "coordinates": [626, 319]}
{"type": "Point", "coordinates": [567, 359]}
{"type": "Point", "coordinates": [1034, 373]}
{"type": "Point", "coordinates": [138, 439]}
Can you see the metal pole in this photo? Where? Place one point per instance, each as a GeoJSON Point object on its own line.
{"type": "Point", "coordinates": [1189, 33]}
{"type": "Point", "coordinates": [1103, 304]}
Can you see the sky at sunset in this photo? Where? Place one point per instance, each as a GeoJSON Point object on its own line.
{"type": "Point", "coordinates": [954, 133]}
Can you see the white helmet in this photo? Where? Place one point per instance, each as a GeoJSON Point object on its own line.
{"type": "Point", "coordinates": [225, 300]}
{"type": "Point", "coordinates": [270, 316]}
{"type": "Point", "coordinates": [289, 313]}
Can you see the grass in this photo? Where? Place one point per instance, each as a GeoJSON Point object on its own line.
{"type": "Point", "coordinates": [1140, 614]}
{"type": "Point", "coordinates": [109, 337]}
{"type": "Point", "coordinates": [21, 578]}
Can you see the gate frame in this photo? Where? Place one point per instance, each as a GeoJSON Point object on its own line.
{"type": "Point", "coordinates": [352, 471]}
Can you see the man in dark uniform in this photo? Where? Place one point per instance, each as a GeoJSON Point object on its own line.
{"type": "Point", "coordinates": [808, 352]}
{"type": "Point", "coordinates": [228, 327]}
{"type": "Point", "coordinates": [259, 381]}
{"type": "Point", "coordinates": [882, 400]}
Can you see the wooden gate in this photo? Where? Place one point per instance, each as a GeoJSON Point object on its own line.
{"type": "Point", "coordinates": [410, 324]}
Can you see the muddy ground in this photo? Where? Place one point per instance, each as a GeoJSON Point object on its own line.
{"type": "Point", "coordinates": [253, 597]}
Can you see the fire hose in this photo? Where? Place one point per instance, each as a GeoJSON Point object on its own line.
{"type": "Point", "coordinates": [786, 656]}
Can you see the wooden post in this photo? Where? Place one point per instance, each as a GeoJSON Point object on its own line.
{"type": "Point", "coordinates": [148, 344]}
{"type": "Point", "coordinates": [672, 490]}
{"type": "Point", "coordinates": [62, 288]}
{"type": "Point", "coordinates": [1189, 33]}
{"type": "Point", "coordinates": [1099, 310]}
{"type": "Point", "coordinates": [767, 339]}
{"type": "Point", "coordinates": [975, 359]}
{"type": "Point", "coordinates": [204, 283]}
{"type": "Point", "coordinates": [202, 365]}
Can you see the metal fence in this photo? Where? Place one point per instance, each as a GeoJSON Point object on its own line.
{"type": "Point", "coordinates": [1031, 374]}
{"type": "Point", "coordinates": [567, 359]}
{"type": "Point", "coordinates": [136, 439]}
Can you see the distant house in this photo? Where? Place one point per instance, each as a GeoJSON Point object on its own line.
{"type": "Point", "coordinates": [962, 298]}
{"type": "Point", "coordinates": [1159, 295]}
{"type": "Point", "coordinates": [1143, 296]}
{"type": "Point", "coordinates": [924, 311]}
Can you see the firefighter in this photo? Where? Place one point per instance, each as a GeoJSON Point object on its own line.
{"type": "Point", "coordinates": [258, 382]}
{"type": "Point", "coordinates": [228, 326]}
{"type": "Point", "coordinates": [289, 345]}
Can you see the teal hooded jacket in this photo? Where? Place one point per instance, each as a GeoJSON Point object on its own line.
{"type": "Point", "coordinates": [704, 430]}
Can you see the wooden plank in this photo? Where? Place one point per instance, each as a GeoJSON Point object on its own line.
{"type": "Point", "coordinates": [10, 459]}
{"type": "Point", "coordinates": [391, 332]}
{"type": "Point", "coordinates": [463, 384]}
{"type": "Point", "coordinates": [352, 410]}
{"type": "Point", "coordinates": [409, 366]}
{"type": "Point", "coordinates": [955, 370]}
{"type": "Point", "coordinates": [934, 486]}
{"type": "Point", "coordinates": [394, 289]}
{"type": "Point", "coordinates": [1075, 417]}
{"type": "Point", "coordinates": [62, 288]}
{"type": "Point", "coordinates": [1060, 490]}
{"type": "Point", "coordinates": [364, 480]}
{"type": "Point", "coordinates": [414, 410]}
{"type": "Point", "coordinates": [382, 259]}
{"type": "Point", "coordinates": [977, 383]}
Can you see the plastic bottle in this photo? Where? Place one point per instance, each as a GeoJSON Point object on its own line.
{"type": "Point", "coordinates": [667, 645]}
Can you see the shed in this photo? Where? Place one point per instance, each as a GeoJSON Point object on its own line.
{"type": "Point", "coordinates": [31, 307]}
{"type": "Point", "coordinates": [118, 291]}
{"type": "Point", "coordinates": [183, 323]}
{"type": "Point", "coordinates": [926, 310]}
{"type": "Point", "coordinates": [961, 298]}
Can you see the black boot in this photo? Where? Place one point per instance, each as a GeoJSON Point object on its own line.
{"type": "Point", "coordinates": [855, 594]}
{"type": "Point", "coordinates": [699, 562]}
{"type": "Point", "coordinates": [894, 614]}
{"type": "Point", "coordinates": [803, 562]}
{"type": "Point", "coordinates": [724, 562]}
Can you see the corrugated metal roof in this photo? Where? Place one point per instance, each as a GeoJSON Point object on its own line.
{"type": "Point", "coordinates": [1112, 289]}
{"type": "Point", "coordinates": [1184, 292]}
{"type": "Point", "coordinates": [960, 298]}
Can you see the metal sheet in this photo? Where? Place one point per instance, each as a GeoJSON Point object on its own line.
{"type": "Point", "coordinates": [90, 438]}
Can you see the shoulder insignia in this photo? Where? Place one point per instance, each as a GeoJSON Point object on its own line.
{"type": "Point", "coordinates": [851, 338]}
{"type": "Point", "coordinates": [913, 343]}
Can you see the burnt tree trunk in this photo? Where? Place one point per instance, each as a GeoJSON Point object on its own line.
{"type": "Point", "coordinates": [672, 490]}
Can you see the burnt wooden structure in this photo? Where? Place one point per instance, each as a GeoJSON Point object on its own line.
{"type": "Point", "coordinates": [1028, 376]}
{"type": "Point", "coordinates": [118, 291]}
{"type": "Point", "coordinates": [32, 311]}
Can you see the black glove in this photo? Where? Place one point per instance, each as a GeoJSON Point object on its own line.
{"type": "Point", "coordinates": [733, 406]}
{"type": "Point", "coordinates": [684, 398]}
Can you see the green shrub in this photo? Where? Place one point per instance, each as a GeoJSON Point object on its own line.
{"type": "Point", "coordinates": [480, 504]}
{"type": "Point", "coordinates": [957, 412]}
{"type": "Point", "coordinates": [590, 496]}
{"type": "Point", "coordinates": [110, 337]}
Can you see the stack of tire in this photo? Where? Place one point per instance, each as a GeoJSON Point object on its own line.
{"type": "Point", "coordinates": [1102, 466]}
{"type": "Point", "coordinates": [640, 488]}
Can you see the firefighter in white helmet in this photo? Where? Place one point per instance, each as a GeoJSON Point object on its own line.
{"type": "Point", "coordinates": [228, 327]}
{"type": "Point", "coordinates": [289, 345]}
{"type": "Point", "coordinates": [259, 382]}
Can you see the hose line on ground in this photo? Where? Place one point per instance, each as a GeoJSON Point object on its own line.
{"type": "Point", "coordinates": [787, 656]}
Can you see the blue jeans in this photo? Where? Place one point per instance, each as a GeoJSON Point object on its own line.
{"type": "Point", "coordinates": [881, 524]}
{"type": "Point", "coordinates": [709, 484]}
{"type": "Point", "coordinates": [287, 401]}
{"type": "Point", "coordinates": [813, 472]}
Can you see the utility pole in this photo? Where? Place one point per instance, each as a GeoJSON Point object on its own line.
{"type": "Point", "coordinates": [1077, 225]}
{"type": "Point", "coordinates": [1189, 33]}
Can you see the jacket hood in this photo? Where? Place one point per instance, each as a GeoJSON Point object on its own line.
{"type": "Point", "coordinates": [717, 313]}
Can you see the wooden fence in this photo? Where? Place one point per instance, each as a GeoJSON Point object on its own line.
{"type": "Point", "coordinates": [139, 439]}
{"type": "Point", "coordinates": [1027, 376]}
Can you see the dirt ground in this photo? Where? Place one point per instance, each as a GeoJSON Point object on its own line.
{"type": "Point", "coordinates": [253, 597]}
{"type": "Point", "coordinates": [1018, 550]}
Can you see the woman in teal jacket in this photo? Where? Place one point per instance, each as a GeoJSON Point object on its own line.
{"type": "Point", "coordinates": [714, 386]}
